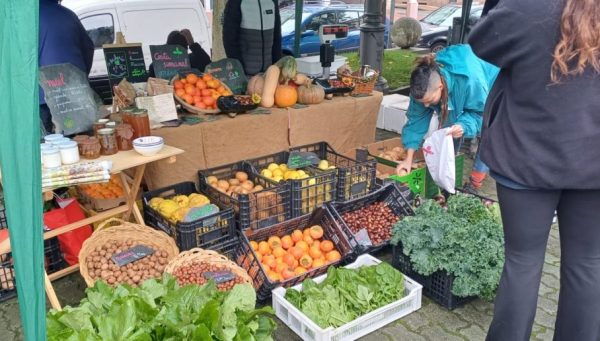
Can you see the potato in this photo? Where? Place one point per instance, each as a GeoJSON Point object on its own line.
{"type": "Point", "coordinates": [241, 176]}
{"type": "Point", "coordinates": [234, 182]}
{"type": "Point", "coordinates": [248, 185]}
{"type": "Point", "coordinates": [223, 184]}
{"type": "Point", "coordinates": [212, 180]}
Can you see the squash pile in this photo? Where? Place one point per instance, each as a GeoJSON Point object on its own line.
{"type": "Point", "coordinates": [282, 86]}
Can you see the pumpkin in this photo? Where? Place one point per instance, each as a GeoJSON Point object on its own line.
{"type": "Point", "coordinates": [255, 85]}
{"type": "Point", "coordinates": [311, 94]}
{"type": "Point", "coordinates": [271, 80]}
{"type": "Point", "coordinates": [285, 96]}
{"type": "Point", "coordinates": [301, 79]}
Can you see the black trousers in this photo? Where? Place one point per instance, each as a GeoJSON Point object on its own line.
{"type": "Point", "coordinates": [527, 216]}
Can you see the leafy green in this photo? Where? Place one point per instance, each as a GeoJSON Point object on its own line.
{"type": "Point", "coordinates": [466, 240]}
{"type": "Point", "coordinates": [347, 293]}
{"type": "Point", "coordinates": [161, 310]}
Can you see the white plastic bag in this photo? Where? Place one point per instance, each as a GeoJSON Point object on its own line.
{"type": "Point", "coordinates": [438, 150]}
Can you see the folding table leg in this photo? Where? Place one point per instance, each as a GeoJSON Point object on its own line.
{"type": "Point", "coordinates": [51, 293]}
{"type": "Point", "coordinates": [132, 192]}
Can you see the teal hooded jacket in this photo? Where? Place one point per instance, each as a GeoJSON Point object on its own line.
{"type": "Point", "coordinates": [469, 80]}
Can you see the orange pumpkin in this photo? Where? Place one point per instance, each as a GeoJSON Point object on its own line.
{"type": "Point", "coordinates": [285, 96]}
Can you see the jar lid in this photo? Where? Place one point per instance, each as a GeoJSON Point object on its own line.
{"type": "Point", "coordinates": [50, 150]}
{"type": "Point", "coordinates": [103, 120]}
{"type": "Point", "coordinates": [111, 124]}
{"type": "Point", "coordinates": [67, 145]}
{"type": "Point", "coordinates": [106, 131]}
{"type": "Point", "coordinates": [60, 141]}
{"type": "Point", "coordinates": [53, 137]}
{"type": "Point", "coordinates": [45, 146]}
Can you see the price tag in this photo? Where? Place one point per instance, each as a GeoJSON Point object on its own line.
{"type": "Point", "coordinates": [302, 159]}
{"type": "Point", "coordinates": [219, 276]}
{"type": "Point", "coordinates": [362, 237]}
{"type": "Point", "coordinates": [131, 255]}
{"type": "Point", "coordinates": [196, 213]}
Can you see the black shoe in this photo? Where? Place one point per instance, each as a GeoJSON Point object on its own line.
{"type": "Point", "coordinates": [468, 188]}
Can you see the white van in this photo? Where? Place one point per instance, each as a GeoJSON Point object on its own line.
{"type": "Point", "coordinates": [141, 21]}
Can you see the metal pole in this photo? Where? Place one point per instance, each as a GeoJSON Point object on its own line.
{"type": "Point", "coordinates": [391, 22]}
{"type": "Point", "coordinates": [298, 24]}
{"type": "Point", "coordinates": [464, 20]}
{"type": "Point", "coordinates": [372, 39]}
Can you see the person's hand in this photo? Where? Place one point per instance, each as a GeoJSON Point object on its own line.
{"type": "Point", "coordinates": [456, 131]}
{"type": "Point", "coordinates": [404, 167]}
{"type": "Point", "coordinates": [188, 36]}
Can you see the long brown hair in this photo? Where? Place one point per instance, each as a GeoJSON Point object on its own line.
{"type": "Point", "coordinates": [579, 45]}
{"type": "Point", "coordinates": [419, 82]}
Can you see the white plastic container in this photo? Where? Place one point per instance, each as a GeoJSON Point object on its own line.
{"type": "Point", "coordinates": [311, 66]}
{"type": "Point", "coordinates": [51, 157]}
{"type": "Point", "coordinates": [69, 153]}
{"type": "Point", "coordinates": [308, 330]}
{"type": "Point", "coordinates": [53, 137]}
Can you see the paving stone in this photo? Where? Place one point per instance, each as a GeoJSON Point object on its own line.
{"type": "Point", "coordinates": [394, 331]}
{"type": "Point", "coordinates": [545, 319]}
{"type": "Point", "coordinates": [546, 290]}
{"type": "Point", "coordinates": [437, 333]}
{"type": "Point", "coordinates": [548, 305]}
{"type": "Point", "coordinates": [473, 332]}
{"type": "Point", "coordinates": [469, 313]}
{"type": "Point", "coordinates": [550, 280]}
{"type": "Point", "coordinates": [552, 260]}
{"type": "Point", "coordinates": [546, 335]}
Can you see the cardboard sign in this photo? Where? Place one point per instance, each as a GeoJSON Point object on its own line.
{"type": "Point", "coordinates": [131, 255]}
{"type": "Point", "coordinates": [167, 60]}
{"type": "Point", "coordinates": [69, 97]}
{"type": "Point", "coordinates": [125, 61]}
{"type": "Point", "coordinates": [219, 276]}
{"type": "Point", "coordinates": [230, 72]}
{"type": "Point", "coordinates": [302, 159]}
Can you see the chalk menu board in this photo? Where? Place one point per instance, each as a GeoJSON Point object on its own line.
{"type": "Point", "coordinates": [167, 60]}
{"type": "Point", "coordinates": [69, 98]}
{"type": "Point", "coordinates": [125, 61]}
{"type": "Point", "coordinates": [230, 72]}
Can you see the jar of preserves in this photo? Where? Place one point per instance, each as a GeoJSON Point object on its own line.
{"type": "Point", "coordinates": [108, 141]}
{"type": "Point", "coordinates": [124, 136]}
{"type": "Point", "coordinates": [90, 148]}
{"type": "Point", "coordinates": [100, 124]}
{"type": "Point", "coordinates": [139, 121]}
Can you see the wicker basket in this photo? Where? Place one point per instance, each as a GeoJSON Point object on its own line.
{"type": "Point", "coordinates": [117, 229]}
{"type": "Point", "coordinates": [198, 255]}
{"type": "Point", "coordinates": [362, 86]}
{"type": "Point", "coordinates": [194, 109]}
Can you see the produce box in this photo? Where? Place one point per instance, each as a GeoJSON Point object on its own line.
{"type": "Point", "coordinates": [103, 196]}
{"type": "Point", "coordinates": [252, 254]}
{"type": "Point", "coordinates": [354, 179]}
{"type": "Point", "coordinates": [53, 262]}
{"type": "Point", "coordinates": [255, 208]}
{"type": "Point", "coordinates": [437, 286]}
{"type": "Point", "coordinates": [316, 188]}
{"type": "Point", "coordinates": [214, 228]}
{"type": "Point", "coordinates": [373, 238]}
{"type": "Point", "coordinates": [308, 330]}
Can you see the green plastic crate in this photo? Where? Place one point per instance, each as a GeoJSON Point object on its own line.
{"type": "Point", "coordinates": [415, 180]}
{"type": "Point", "coordinates": [432, 189]}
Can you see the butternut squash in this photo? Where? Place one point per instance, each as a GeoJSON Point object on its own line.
{"type": "Point", "coordinates": [271, 81]}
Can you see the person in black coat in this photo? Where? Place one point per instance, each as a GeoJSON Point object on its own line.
{"type": "Point", "coordinates": [198, 57]}
{"type": "Point", "coordinates": [540, 139]}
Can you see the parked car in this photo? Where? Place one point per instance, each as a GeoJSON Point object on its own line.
{"type": "Point", "coordinates": [315, 15]}
{"type": "Point", "coordinates": [141, 21]}
{"type": "Point", "coordinates": [435, 25]}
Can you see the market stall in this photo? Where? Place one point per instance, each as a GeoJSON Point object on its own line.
{"type": "Point", "coordinates": [344, 122]}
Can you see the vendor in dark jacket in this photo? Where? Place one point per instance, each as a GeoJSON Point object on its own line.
{"type": "Point", "coordinates": [252, 33]}
{"type": "Point", "coordinates": [198, 57]}
{"type": "Point", "coordinates": [540, 139]}
{"type": "Point", "coordinates": [62, 39]}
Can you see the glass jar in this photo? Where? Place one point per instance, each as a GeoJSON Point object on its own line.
{"type": "Point", "coordinates": [124, 136]}
{"type": "Point", "coordinates": [51, 157]}
{"type": "Point", "coordinates": [69, 153]}
{"type": "Point", "coordinates": [100, 124]}
{"type": "Point", "coordinates": [108, 141]}
{"type": "Point", "coordinates": [139, 121]}
{"type": "Point", "coordinates": [90, 148]}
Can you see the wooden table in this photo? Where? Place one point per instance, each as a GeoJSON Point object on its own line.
{"type": "Point", "coordinates": [121, 162]}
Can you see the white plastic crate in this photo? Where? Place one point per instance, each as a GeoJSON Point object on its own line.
{"type": "Point", "coordinates": [308, 330]}
{"type": "Point", "coordinates": [311, 66]}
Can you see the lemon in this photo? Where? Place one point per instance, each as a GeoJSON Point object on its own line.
{"type": "Point", "coordinates": [323, 165]}
{"type": "Point", "coordinates": [287, 175]}
{"type": "Point", "coordinates": [277, 178]}
{"type": "Point", "coordinates": [278, 172]}
{"type": "Point", "coordinates": [305, 176]}
{"type": "Point", "coordinates": [272, 167]}
{"type": "Point", "coordinates": [266, 173]}
{"type": "Point", "coordinates": [312, 182]}
{"type": "Point", "coordinates": [301, 172]}
{"type": "Point", "coordinates": [283, 167]}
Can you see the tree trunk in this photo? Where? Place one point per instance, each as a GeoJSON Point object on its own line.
{"type": "Point", "coordinates": [218, 51]}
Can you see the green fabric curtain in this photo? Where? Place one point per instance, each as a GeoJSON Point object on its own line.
{"type": "Point", "coordinates": [20, 157]}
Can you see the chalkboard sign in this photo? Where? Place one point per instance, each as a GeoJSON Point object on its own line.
{"type": "Point", "coordinates": [131, 255]}
{"type": "Point", "coordinates": [125, 61]}
{"type": "Point", "coordinates": [69, 97]}
{"type": "Point", "coordinates": [302, 159]}
{"type": "Point", "coordinates": [230, 72]}
{"type": "Point", "coordinates": [167, 60]}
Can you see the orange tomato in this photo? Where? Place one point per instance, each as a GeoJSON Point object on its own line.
{"type": "Point", "coordinates": [273, 276]}
{"type": "Point", "coordinates": [308, 240]}
{"type": "Point", "coordinates": [314, 252]}
{"type": "Point", "coordinates": [299, 271]}
{"type": "Point", "coordinates": [274, 241]}
{"type": "Point", "coordinates": [178, 84]}
{"type": "Point", "coordinates": [264, 248]}
{"type": "Point", "coordinates": [306, 261]}
{"type": "Point", "coordinates": [326, 246]}
{"type": "Point", "coordinates": [287, 274]}
{"type": "Point", "coordinates": [201, 84]}
{"type": "Point", "coordinates": [317, 244]}
{"type": "Point", "coordinates": [191, 78]}
{"type": "Point", "coordinates": [316, 232]}
{"type": "Point", "coordinates": [280, 267]}
{"type": "Point", "coordinates": [296, 252]}
{"type": "Point", "coordinates": [190, 90]}
{"type": "Point", "coordinates": [333, 256]}
{"type": "Point", "coordinates": [189, 99]}
{"type": "Point", "coordinates": [278, 251]}
{"type": "Point", "coordinates": [269, 261]}
{"type": "Point", "coordinates": [287, 242]}
{"type": "Point", "coordinates": [259, 257]}
{"type": "Point", "coordinates": [317, 263]}
{"type": "Point", "coordinates": [297, 236]}
{"type": "Point", "coordinates": [289, 259]}
{"type": "Point", "coordinates": [302, 245]}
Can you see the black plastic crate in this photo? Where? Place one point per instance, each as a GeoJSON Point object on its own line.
{"type": "Point", "coordinates": [214, 229]}
{"type": "Point", "coordinates": [437, 286]}
{"type": "Point", "coordinates": [264, 208]}
{"type": "Point", "coordinates": [404, 189]}
{"type": "Point", "coordinates": [53, 262]}
{"type": "Point", "coordinates": [246, 256]}
{"type": "Point", "coordinates": [355, 179]}
{"type": "Point", "coordinates": [3, 223]}
{"type": "Point", "coordinates": [389, 194]}
{"type": "Point", "coordinates": [307, 194]}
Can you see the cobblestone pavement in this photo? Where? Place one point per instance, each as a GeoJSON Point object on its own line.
{"type": "Point", "coordinates": [431, 322]}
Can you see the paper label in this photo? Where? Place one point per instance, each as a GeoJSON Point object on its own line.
{"type": "Point", "coordinates": [160, 108]}
{"type": "Point", "coordinates": [362, 237]}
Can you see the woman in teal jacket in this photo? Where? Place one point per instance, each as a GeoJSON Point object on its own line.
{"type": "Point", "coordinates": [455, 84]}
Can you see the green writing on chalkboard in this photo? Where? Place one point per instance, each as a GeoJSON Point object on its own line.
{"type": "Point", "coordinates": [168, 60]}
{"type": "Point", "coordinates": [302, 159]}
{"type": "Point", "coordinates": [230, 72]}
{"type": "Point", "coordinates": [125, 61]}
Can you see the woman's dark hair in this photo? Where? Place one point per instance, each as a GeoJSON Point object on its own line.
{"type": "Point", "coordinates": [421, 81]}
{"type": "Point", "coordinates": [176, 38]}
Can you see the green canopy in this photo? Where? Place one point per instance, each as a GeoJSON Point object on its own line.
{"type": "Point", "coordinates": [20, 157]}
